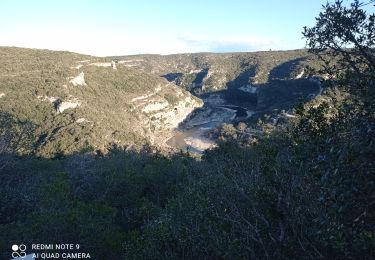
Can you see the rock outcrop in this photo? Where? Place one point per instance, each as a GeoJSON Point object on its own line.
{"type": "Point", "coordinates": [79, 80]}
{"type": "Point", "coordinates": [47, 98]}
{"type": "Point", "coordinates": [101, 64]}
{"type": "Point", "coordinates": [300, 75]}
{"type": "Point", "coordinates": [60, 104]}
{"type": "Point", "coordinates": [171, 116]}
{"type": "Point", "coordinates": [64, 105]}
{"type": "Point", "coordinates": [163, 110]}
{"type": "Point", "coordinates": [80, 120]}
{"type": "Point", "coordinates": [160, 114]}
{"type": "Point", "coordinates": [113, 65]}
{"type": "Point", "coordinates": [217, 114]}
{"type": "Point", "coordinates": [157, 106]}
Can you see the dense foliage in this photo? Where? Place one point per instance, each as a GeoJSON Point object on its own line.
{"type": "Point", "coordinates": [304, 191]}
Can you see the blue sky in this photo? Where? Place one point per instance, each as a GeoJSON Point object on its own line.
{"type": "Point", "coordinates": [119, 27]}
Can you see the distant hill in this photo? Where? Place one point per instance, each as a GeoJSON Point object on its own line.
{"type": "Point", "coordinates": [75, 102]}
{"type": "Point", "coordinates": [203, 73]}
{"type": "Point", "coordinates": [214, 71]}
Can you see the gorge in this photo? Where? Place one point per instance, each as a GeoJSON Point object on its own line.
{"type": "Point", "coordinates": [172, 102]}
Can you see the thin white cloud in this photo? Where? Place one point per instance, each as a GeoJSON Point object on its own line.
{"type": "Point", "coordinates": [231, 43]}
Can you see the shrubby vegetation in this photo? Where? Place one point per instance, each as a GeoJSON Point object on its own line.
{"type": "Point", "coordinates": [29, 78]}
{"type": "Point", "coordinates": [220, 71]}
{"type": "Point", "coordinates": [305, 190]}
{"type": "Point", "coordinates": [107, 117]}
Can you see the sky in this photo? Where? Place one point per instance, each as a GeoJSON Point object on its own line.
{"type": "Point", "coordinates": [122, 27]}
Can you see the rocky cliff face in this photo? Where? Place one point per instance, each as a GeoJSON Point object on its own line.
{"type": "Point", "coordinates": [163, 110]}
{"type": "Point", "coordinates": [76, 102]}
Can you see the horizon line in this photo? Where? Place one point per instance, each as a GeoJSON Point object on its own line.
{"type": "Point", "coordinates": [137, 54]}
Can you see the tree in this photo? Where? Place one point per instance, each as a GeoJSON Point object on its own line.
{"type": "Point", "coordinates": [344, 36]}
{"type": "Point", "coordinates": [339, 135]}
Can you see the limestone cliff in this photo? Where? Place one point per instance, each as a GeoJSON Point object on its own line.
{"type": "Point", "coordinates": [75, 102]}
